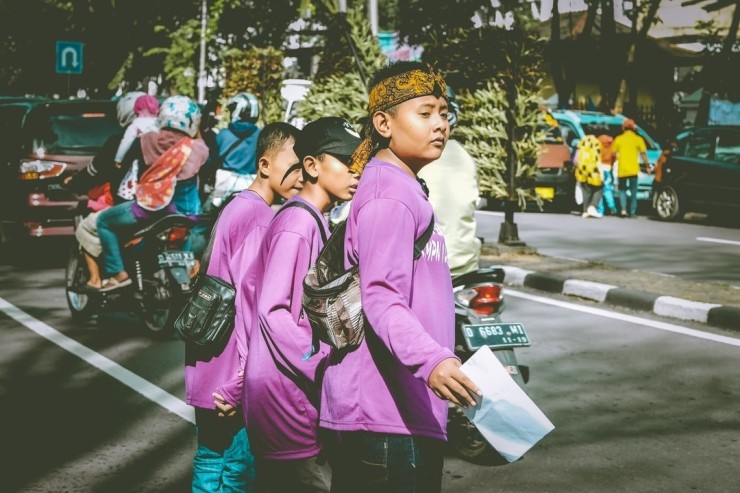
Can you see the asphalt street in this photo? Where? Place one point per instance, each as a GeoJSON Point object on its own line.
{"type": "Point", "coordinates": [639, 403]}
{"type": "Point", "coordinates": [692, 250]}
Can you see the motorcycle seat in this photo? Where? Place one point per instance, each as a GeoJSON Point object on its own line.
{"type": "Point", "coordinates": [486, 274]}
{"type": "Point", "coordinates": [165, 222]}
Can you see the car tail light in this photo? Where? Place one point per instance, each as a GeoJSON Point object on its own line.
{"type": "Point", "coordinates": [481, 299]}
{"type": "Point", "coordinates": [40, 170]}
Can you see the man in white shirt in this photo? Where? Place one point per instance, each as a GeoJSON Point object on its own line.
{"type": "Point", "coordinates": [453, 192]}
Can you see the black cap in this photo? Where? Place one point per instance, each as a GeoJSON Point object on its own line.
{"type": "Point", "coordinates": [329, 134]}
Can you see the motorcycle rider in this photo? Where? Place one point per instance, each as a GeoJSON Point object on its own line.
{"type": "Point", "coordinates": [453, 192]}
{"type": "Point", "coordinates": [234, 164]}
{"type": "Point", "coordinates": [172, 158]}
{"type": "Point", "coordinates": [98, 181]}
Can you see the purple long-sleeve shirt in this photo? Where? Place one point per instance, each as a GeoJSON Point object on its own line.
{"type": "Point", "coordinates": [238, 235]}
{"type": "Point", "coordinates": [281, 389]}
{"type": "Point", "coordinates": [381, 386]}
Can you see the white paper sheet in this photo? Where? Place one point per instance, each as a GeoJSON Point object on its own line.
{"type": "Point", "coordinates": [505, 415]}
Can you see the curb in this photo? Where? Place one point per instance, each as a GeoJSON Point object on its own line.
{"type": "Point", "coordinates": [725, 317]}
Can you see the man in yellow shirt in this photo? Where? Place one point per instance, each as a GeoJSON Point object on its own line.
{"type": "Point", "coordinates": [628, 147]}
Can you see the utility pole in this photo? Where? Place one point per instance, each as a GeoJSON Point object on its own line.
{"type": "Point", "coordinates": [202, 61]}
{"type": "Point", "coordinates": [372, 8]}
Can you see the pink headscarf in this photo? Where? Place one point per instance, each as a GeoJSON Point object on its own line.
{"type": "Point", "coordinates": [146, 105]}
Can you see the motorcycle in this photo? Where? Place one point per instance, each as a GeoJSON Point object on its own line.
{"type": "Point", "coordinates": [161, 271]}
{"type": "Point", "coordinates": [479, 301]}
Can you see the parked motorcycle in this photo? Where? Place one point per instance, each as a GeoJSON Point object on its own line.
{"type": "Point", "coordinates": [479, 301]}
{"type": "Point", "coordinates": [161, 268]}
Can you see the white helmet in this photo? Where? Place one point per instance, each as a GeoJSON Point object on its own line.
{"type": "Point", "coordinates": [125, 107]}
{"type": "Point", "coordinates": [179, 113]}
{"type": "Point", "coordinates": [244, 107]}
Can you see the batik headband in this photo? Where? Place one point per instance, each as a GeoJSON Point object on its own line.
{"type": "Point", "coordinates": [390, 92]}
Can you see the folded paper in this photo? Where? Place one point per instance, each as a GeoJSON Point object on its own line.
{"type": "Point", "coordinates": [505, 415]}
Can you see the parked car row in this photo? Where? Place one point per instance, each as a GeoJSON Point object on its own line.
{"type": "Point", "coordinates": [44, 141]}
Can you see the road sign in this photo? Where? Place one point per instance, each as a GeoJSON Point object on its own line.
{"type": "Point", "coordinates": [69, 57]}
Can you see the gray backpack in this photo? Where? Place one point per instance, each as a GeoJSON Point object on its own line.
{"type": "Point", "coordinates": [331, 293]}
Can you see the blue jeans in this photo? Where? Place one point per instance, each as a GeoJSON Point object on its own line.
{"type": "Point", "coordinates": [365, 462]}
{"type": "Point", "coordinates": [607, 199]}
{"type": "Point", "coordinates": [110, 223]}
{"type": "Point", "coordinates": [223, 462]}
{"type": "Point", "coordinates": [628, 183]}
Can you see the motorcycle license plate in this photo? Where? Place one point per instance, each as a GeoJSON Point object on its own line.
{"type": "Point", "coordinates": [171, 258]}
{"type": "Point", "coordinates": [495, 335]}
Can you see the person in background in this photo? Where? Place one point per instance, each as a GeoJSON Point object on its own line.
{"type": "Point", "coordinates": [282, 382]}
{"type": "Point", "coordinates": [234, 164]}
{"type": "Point", "coordinates": [628, 148]}
{"type": "Point", "coordinates": [606, 164]}
{"type": "Point", "coordinates": [588, 174]}
{"type": "Point", "coordinates": [384, 404]}
{"type": "Point", "coordinates": [146, 108]}
{"type": "Point", "coordinates": [453, 192]}
{"type": "Point", "coordinates": [214, 380]}
{"type": "Point", "coordinates": [98, 181]}
{"type": "Point", "coordinates": [172, 157]}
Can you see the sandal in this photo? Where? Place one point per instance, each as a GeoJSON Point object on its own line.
{"type": "Point", "coordinates": [114, 284]}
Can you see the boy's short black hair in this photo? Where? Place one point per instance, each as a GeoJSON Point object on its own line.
{"type": "Point", "coordinates": [273, 136]}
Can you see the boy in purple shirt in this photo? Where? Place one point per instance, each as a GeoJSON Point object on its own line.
{"type": "Point", "coordinates": [282, 381]}
{"type": "Point", "coordinates": [386, 401]}
{"type": "Point", "coordinates": [213, 382]}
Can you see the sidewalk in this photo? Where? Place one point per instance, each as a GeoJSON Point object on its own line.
{"type": "Point", "coordinates": [714, 304]}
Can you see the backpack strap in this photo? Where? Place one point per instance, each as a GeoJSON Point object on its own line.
{"type": "Point", "coordinates": [298, 203]}
{"type": "Point", "coordinates": [421, 243]}
{"type": "Point", "coordinates": [206, 257]}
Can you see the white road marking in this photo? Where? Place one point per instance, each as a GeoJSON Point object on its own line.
{"type": "Point", "coordinates": [731, 341]}
{"type": "Point", "coordinates": [717, 240]}
{"type": "Point", "coordinates": [126, 377]}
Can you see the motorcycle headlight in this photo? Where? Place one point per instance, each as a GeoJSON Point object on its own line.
{"type": "Point", "coordinates": [40, 170]}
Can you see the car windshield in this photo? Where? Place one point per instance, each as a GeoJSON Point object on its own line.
{"type": "Point", "coordinates": [75, 133]}
{"type": "Point", "coordinates": [615, 129]}
{"type": "Point", "coordinates": [547, 134]}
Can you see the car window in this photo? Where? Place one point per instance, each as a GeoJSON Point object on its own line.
{"type": "Point", "coordinates": [568, 131]}
{"type": "Point", "coordinates": [728, 147]}
{"type": "Point", "coordinates": [77, 133]}
{"type": "Point", "coordinates": [699, 145]}
{"type": "Point", "coordinates": [602, 128]}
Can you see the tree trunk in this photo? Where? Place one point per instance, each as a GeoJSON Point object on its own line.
{"type": "Point", "coordinates": [629, 79]}
{"type": "Point", "coordinates": [558, 68]}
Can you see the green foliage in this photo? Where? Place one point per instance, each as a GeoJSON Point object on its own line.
{"type": "Point", "coordinates": [259, 71]}
{"type": "Point", "coordinates": [340, 95]}
{"type": "Point", "coordinates": [482, 130]}
{"type": "Point", "coordinates": [180, 58]}
{"type": "Point", "coordinates": [484, 65]}
{"type": "Point", "coordinates": [336, 90]}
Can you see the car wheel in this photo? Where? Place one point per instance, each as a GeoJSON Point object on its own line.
{"type": "Point", "coordinates": [667, 205]}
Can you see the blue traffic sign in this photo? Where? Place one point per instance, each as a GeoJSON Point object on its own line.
{"type": "Point", "coordinates": [69, 57]}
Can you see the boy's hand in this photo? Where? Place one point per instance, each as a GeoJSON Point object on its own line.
{"type": "Point", "coordinates": [225, 409]}
{"type": "Point", "coordinates": [449, 383]}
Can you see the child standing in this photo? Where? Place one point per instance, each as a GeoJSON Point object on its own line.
{"type": "Point", "coordinates": [281, 382]}
{"type": "Point", "coordinates": [146, 108]}
{"type": "Point", "coordinates": [214, 382]}
{"type": "Point", "coordinates": [385, 403]}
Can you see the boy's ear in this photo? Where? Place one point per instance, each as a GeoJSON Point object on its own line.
{"type": "Point", "coordinates": [311, 165]}
{"type": "Point", "coordinates": [263, 167]}
{"type": "Point", "coordinates": [382, 123]}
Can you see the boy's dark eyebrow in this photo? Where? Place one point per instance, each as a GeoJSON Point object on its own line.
{"type": "Point", "coordinates": [294, 167]}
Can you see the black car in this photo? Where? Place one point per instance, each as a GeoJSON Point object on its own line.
{"type": "Point", "coordinates": [44, 141]}
{"type": "Point", "coordinates": [700, 173]}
